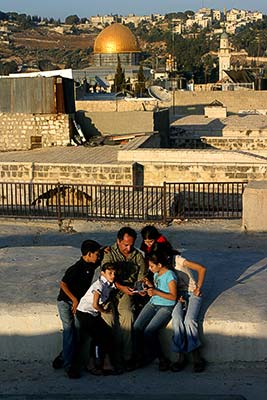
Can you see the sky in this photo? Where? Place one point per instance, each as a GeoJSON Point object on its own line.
{"type": "Point", "coordinates": [85, 8]}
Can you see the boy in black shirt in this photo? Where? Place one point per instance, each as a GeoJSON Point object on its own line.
{"type": "Point", "coordinates": [73, 286]}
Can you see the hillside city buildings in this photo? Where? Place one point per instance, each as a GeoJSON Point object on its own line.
{"type": "Point", "coordinates": [230, 20]}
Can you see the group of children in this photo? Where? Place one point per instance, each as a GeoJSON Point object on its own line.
{"type": "Point", "coordinates": [168, 292]}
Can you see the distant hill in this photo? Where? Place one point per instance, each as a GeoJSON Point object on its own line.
{"type": "Point", "coordinates": [42, 45]}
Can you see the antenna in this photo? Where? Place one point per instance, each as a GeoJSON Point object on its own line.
{"type": "Point", "coordinates": [102, 82]}
{"type": "Point", "coordinates": [159, 93]}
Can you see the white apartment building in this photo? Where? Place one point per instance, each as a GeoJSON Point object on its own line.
{"type": "Point", "coordinates": [178, 27]}
{"type": "Point", "coordinates": [233, 15]}
{"type": "Point", "coordinates": [136, 19]}
{"type": "Point", "coordinates": [158, 17]}
{"type": "Point", "coordinates": [204, 11]}
{"type": "Point", "coordinates": [217, 15]}
{"type": "Point", "coordinates": [189, 23]}
{"type": "Point", "coordinates": [102, 19]}
{"type": "Point", "coordinates": [256, 16]}
{"type": "Point", "coordinates": [203, 20]}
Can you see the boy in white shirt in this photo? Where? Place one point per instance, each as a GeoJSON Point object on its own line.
{"type": "Point", "coordinates": [89, 311]}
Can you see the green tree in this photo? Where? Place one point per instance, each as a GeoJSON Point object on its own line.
{"type": "Point", "coordinates": [3, 16]}
{"type": "Point", "coordinates": [140, 87]}
{"type": "Point", "coordinates": [119, 79]}
{"type": "Point", "coordinates": [72, 20]}
{"type": "Point", "coordinates": [7, 68]}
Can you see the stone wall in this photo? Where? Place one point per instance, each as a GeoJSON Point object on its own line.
{"type": "Point", "coordinates": [120, 105]}
{"type": "Point", "coordinates": [28, 131]}
{"type": "Point", "coordinates": [196, 166]}
{"type": "Point", "coordinates": [215, 112]}
{"type": "Point", "coordinates": [155, 174]}
{"type": "Point", "coordinates": [185, 102]}
{"type": "Point", "coordinates": [109, 123]}
{"type": "Point", "coordinates": [156, 166]}
{"type": "Point", "coordinates": [228, 143]}
{"type": "Point", "coordinates": [120, 174]}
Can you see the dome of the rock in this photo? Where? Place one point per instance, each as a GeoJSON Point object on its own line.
{"type": "Point", "coordinates": [116, 38]}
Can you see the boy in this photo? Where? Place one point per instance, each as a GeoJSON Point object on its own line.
{"type": "Point", "coordinates": [89, 311]}
{"type": "Point", "coordinates": [73, 286]}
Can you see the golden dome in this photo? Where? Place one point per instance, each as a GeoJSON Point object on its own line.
{"type": "Point", "coordinates": [116, 38]}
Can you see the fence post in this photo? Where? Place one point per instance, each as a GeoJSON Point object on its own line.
{"type": "Point", "coordinates": [59, 219]}
{"type": "Point", "coordinates": [164, 203]}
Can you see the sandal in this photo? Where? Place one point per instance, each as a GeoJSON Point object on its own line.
{"type": "Point", "coordinates": [178, 365]}
{"type": "Point", "coordinates": [95, 371]}
{"type": "Point", "coordinates": [108, 371]}
{"type": "Point", "coordinates": [199, 366]}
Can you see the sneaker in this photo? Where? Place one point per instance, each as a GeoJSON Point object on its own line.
{"type": "Point", "coordinates": [129, 365]}
{"type": "Point", "coordinates": [164, 364]}
{"type": "Point", "coordinates": [73, 374]}
{"type": "Point", "coordinates": [199, 363]}
{"type": "Point", "coordinates": [58, 362]}
{"type": "Point", "coordinates": [180, 364]}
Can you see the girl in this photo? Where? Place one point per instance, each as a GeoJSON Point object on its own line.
{"type": "Point", "coordinates": [156, 313]}
{"type": "Point", "coordinates": [155, 242]}
{"type": "Point", "coordinates": [185, 314]}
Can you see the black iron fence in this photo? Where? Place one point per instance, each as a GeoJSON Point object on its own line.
{"type": "Point", "coordinates": [122, 202]}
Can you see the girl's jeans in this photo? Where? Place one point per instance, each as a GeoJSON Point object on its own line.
{"type": "Point", "coordinates": [146, 329]}
{"type": "Point", "coordinates": [185, 324]}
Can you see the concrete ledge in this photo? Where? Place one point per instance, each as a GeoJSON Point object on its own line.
{"type": "Point", "coordinates": [235, 322]}
{"type": "Point", "coordinates": [255, 207]}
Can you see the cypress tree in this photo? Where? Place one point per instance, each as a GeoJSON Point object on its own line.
{"type": "Point", "coordinates": [119, 80]}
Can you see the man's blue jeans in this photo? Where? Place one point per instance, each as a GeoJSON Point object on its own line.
{"type": "Point", "coordinates": [146, 329]}
{"type": "Point", "coordinates": [70, 331]}
{"type": "Point", "coordinates": [185, 324]}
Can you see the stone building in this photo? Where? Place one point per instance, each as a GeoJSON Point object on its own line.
{"type": "Point", "coordinates": [115, 41]}
{"type": "Point", "coordinates": [230, 59]}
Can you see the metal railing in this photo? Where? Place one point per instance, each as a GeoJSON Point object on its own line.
{"type": "Point", "coordinates": [122, 202]}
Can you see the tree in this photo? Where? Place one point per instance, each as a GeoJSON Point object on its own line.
{"type": "Point", "coordinates": [3, 16]}
{"type": "Point", "coordinates": [140, 87]}
{"type": "Point", "coordinates": [119, 79]}
{"type": "Point", "coordinates": [189, 13]}
{"type": "Point", "coordinates": [46, 65]}
{"type": "Point", "coordinates": [72, 20]}
{"type": "Point", "coordinates": [7, 68]}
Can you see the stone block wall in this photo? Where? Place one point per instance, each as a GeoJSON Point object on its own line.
{"type": "Point", "coordinates": [123, 173]}
{"type": "Point", "coordinates": [119, 105]}
{"type": "Point", "coordinates": [228, 143]}
{"type": "Point", "coordinates": [27, 131]}
{"type": "Point", "coordinates": [188, 102]}
{"type": "Point", "coordinates": [215, 112]}
{"type": "Point", "coordinates": [210, 165]}
{"type": "Point", "coordinates": [184, 103]}
{"type": "Point", "coordinates": [16, 172]}
{"type": "Point", "coordinates": [156, 174]}
{"type": "Point", "coordinates": [120, 174]}
{"type": "Point", "coordinates": [109, 123]}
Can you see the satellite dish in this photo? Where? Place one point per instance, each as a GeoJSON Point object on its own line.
{"type": "Point", "coordinates": [159, 93]}
{"type": "Point", "coordinates": [102, 82]}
